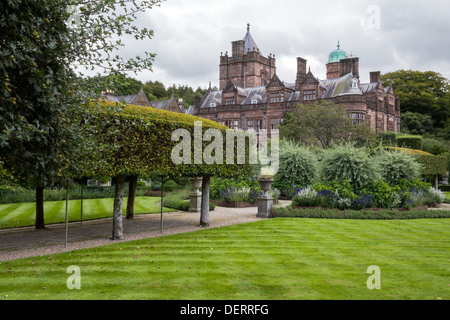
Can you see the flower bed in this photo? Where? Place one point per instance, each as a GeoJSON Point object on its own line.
{"type": "Point", "coordinates": [368, 214]}
{"type": "Point", "coordinates": [377, 195]}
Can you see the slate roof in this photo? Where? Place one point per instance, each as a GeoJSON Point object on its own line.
{"type": "Point", "coordinates": [339, 86]}
{"type": "Point", "coordinates": [250, 44]}
{"type": "Point", "coordinates": [190, 110]}
{"type": "Point", "coordinates": [128, 99]}
{"type": "Point", "coordinates": [161, 104]}
{"type": "Point", "coordinates": [369, 87]}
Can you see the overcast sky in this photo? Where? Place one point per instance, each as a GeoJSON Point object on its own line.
{"type": "Point", "coordinates": [386, 35]}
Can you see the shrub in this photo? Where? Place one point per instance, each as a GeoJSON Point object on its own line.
{"type": "Point", "coordinates": [180, 200]}
{"type": "Point", "coordinates": [298, 167]}
{"type": "Point", "coordinates": [397, 166]}
{"type": "Point", "coordinates": [410, 141]}
{"type": "Point", "coordinates": [388, 138]}
{"type": "Point", "coordinates": [232, 190]}
{"type": "Point", "coordinates": [231, 194]}
{"type": "Point", "coordinates": [141, 184]}
{"type": "Point", "coordinates": [435, 146]}
{"type": "Point", "coordinates": [430, 164]}
{"type": "Point", "coordinates": [170, 185]}
{"type": "Point", "coordinates": [305, 197]}
{"type": "Point", "coordinates": [345, 162]}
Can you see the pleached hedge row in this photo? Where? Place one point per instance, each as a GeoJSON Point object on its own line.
{"type": "Point", "coordinates": [138, 140]}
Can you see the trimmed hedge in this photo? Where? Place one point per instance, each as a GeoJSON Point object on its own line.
{"type": "Point", "coordinates": [430, 164]}
{"type": "Point", "coordinates": [138, 140]}
{"type": "Point", "coordinates": [323, 213]}
{"type": "Point", "coordinates": [388, 138]}
{"type": "Point", "coordinates": [410, 141]}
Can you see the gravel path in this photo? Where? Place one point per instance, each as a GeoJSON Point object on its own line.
{"type": "Point", "coordinates": [29, 242]}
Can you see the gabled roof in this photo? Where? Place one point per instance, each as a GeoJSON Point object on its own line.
{"type": "Point", "coordinates": [275, 82]}
{"type": "Point", "coordinates": [131, 99]}
{"type": "Point", "coordinates": [164, 104]}
{"type": "Point", "coordinates": [230, 87]}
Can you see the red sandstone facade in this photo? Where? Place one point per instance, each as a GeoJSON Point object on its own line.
{"type": "Point", "coordinates": [252, 97]}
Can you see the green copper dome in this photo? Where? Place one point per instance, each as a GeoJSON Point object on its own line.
{"type": "Point", "coordinates": [337, 55]}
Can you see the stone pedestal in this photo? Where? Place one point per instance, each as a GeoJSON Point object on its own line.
{"type": "Point", "coordinates": [265, 202]}
{"type": "Point", "coordinates": [195, 202]}
{"type": "Point", "coordinates": [195, 198]}
{"type": "Point", "coordinates": [264, 207]}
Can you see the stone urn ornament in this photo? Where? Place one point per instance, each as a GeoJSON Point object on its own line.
{"type": "Point", "coordinates": [196, 183]}
{"type": "Point", "coordinates": [195, 198]}
{"type": "Point", "coordinates": [265, 180]}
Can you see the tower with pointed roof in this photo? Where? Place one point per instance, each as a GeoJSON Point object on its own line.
{"type": "Point", "coordinates": [253, 98]}
{"type": "Point", "coordinates": [246, 67]}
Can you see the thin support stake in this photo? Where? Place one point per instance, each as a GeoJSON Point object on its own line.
{"type": "Point", "coordinates": [81, 202]}
{"type": "Point", "coordinates": [67, 216]}
{"type": "Point", "coordinates": [162, 199]}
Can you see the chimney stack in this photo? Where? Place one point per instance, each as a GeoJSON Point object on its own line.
{"type": "Point", "coordinates": [301, 72]}
{"type": "Point", "coordinates": [375, 76]}
{"type": "Point", "coordinates": [350, 65]}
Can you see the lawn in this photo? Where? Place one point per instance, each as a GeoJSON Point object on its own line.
{"type": "Point", "coordinates": [272, 259]}
{"type": "Point", "coordinates": [24, 214]}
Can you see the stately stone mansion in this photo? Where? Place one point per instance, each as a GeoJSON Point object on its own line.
{"type": "Point", "coordinates": [252, 97]}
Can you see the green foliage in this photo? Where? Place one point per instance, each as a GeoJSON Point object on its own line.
{"type": "Point", "coordinates": [416, 123]}
{"type": "Point", "coordinates": [433, 165]}
{"type": "Point", "coordinates": [395, 166]}
{"type": "Point", "coordinates": [322, 124]}
{"type": "Point", "coordinates": [385, 214]}
{"type": "Point", "coordinates": [170, 185]}
{"type": "Point", "coordinates": [180, 200]}
{"type": "Point", "coordinates": [388, 138]}
{"type": "Point", "coordinates": [305, 197]}
{"type": "Point", "coordinates": [234, 190]}
{"type": "Point", "coordinates": [138, 140]}
{"type": "Point", "coordinates": [38, 138]}
{"type": "Point", "coordinates": [410, 141]}
{"type": "Point", "coordinates": [19, 194]}
{"type": "Point", "coordinates": [436, 146]}
{"type": "Point", "coordinates": [377, 194]}
{"type": "Point", "coordinates": [298, 167]}
{"type": "Point", "coordinates": [430, 165]}
{"type": "Point", "coordinates": [346, 162]}
{"type": "Point", "coordinates": [140, 184]}
{"type": "Point", "coordinates": [426, 93]}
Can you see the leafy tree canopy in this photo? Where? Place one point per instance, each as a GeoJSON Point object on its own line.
{"type": "Point", "coordinates": [426, 93]}
{"type": "Point", "coordinates": [322, 124]}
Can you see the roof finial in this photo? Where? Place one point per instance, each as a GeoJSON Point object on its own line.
{"type": "Point", "coordinates": [338, 45]}
{"type": "Point", "coordinates": [248, 26]}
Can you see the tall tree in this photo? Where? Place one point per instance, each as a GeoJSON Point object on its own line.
{"type": "Point", "coordinates": [322, 123]}
{"type": "Point", "coordinates": [427, 93]}
{"type": "Point", "coordinates": [46, 48]}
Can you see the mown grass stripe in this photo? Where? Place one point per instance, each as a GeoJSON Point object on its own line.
{"type": "Point", "coordinates": [24, 214]}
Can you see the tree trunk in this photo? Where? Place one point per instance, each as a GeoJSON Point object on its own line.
{"type": "Point", "coordinates": [131, 196]}
{"type": "Point", "coordinates": [118, 203]}
{"type": "Point", "coordinates": [204, 215]}
{"type": "Point", "coordinates": [40, 208]}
